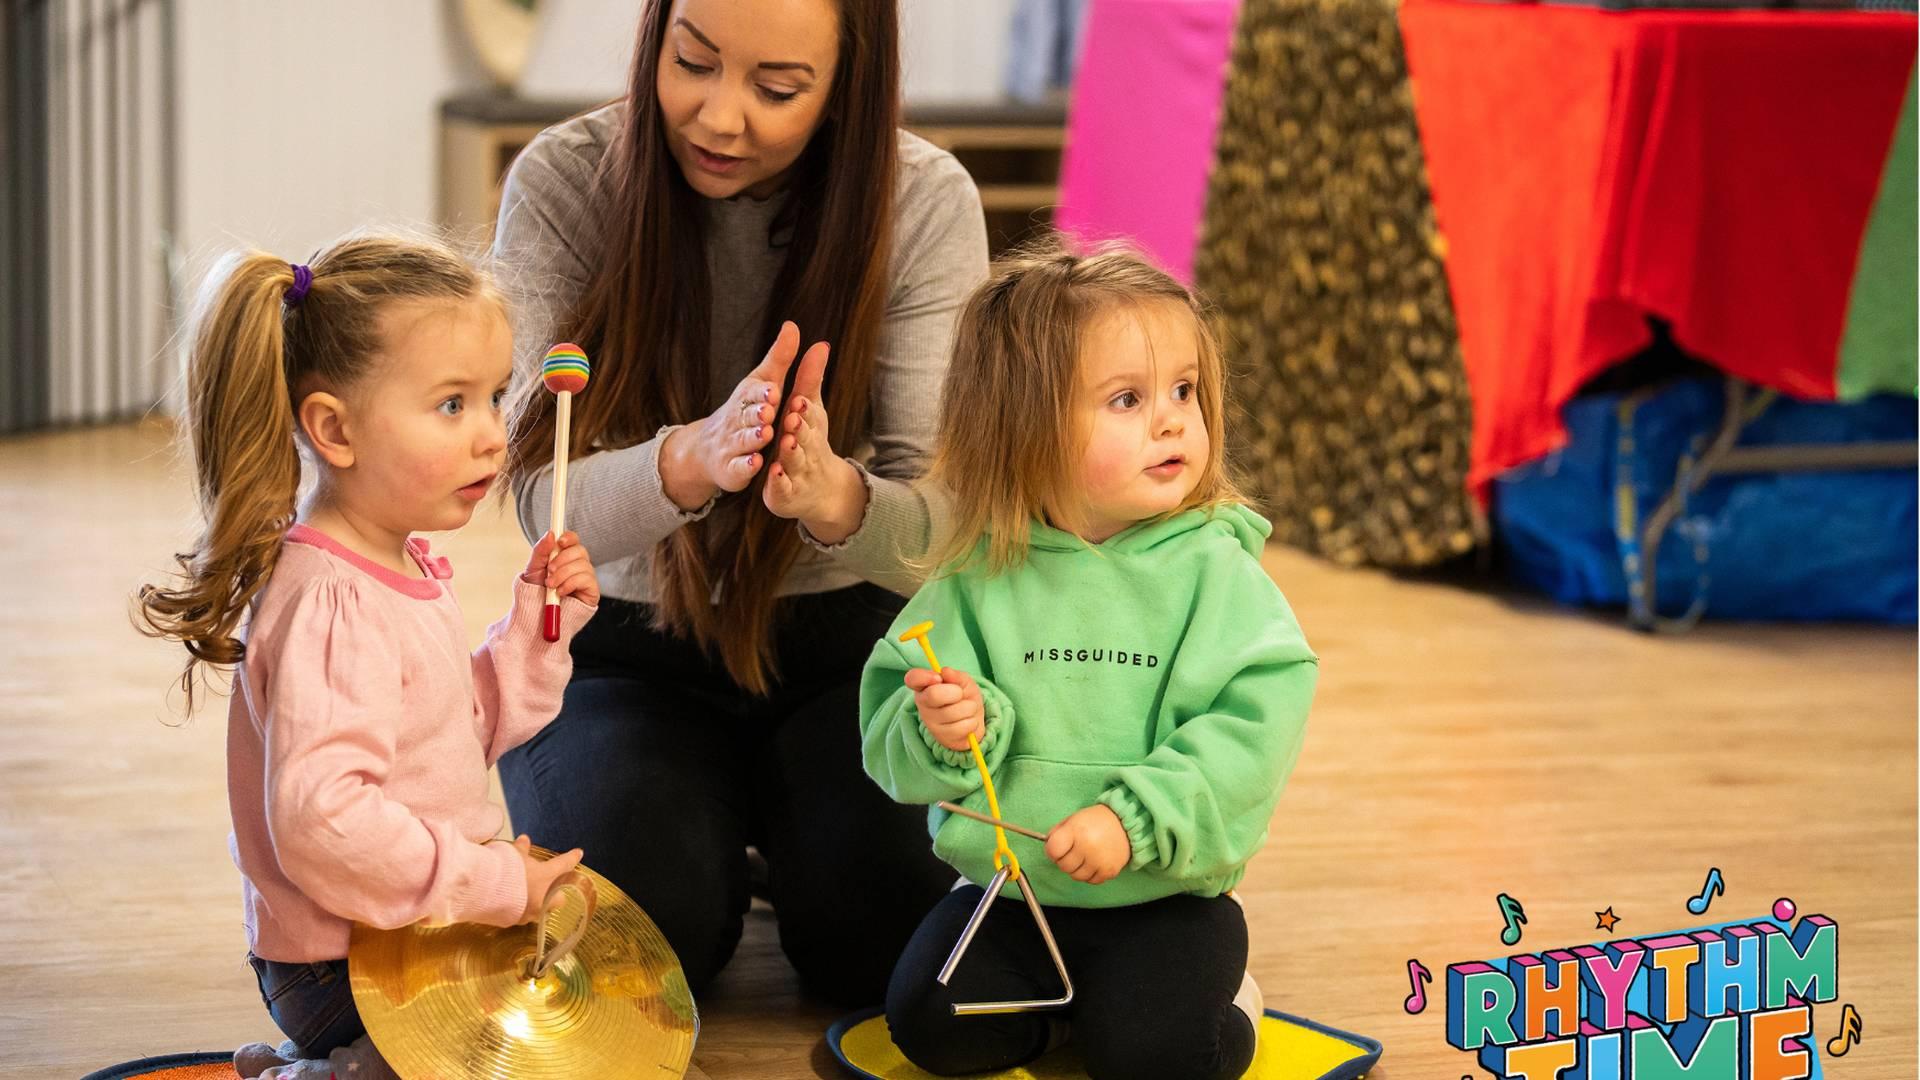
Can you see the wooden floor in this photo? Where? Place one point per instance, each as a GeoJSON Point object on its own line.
{"type": "Point", "coordinates": [1464, 744]}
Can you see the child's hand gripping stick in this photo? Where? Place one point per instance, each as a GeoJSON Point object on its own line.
{"type": "Point", "coordinates": [1007, 868]}
{"type": "Point", "coordinates": [565, 373]}
{"type": "Point", "coordinates": [1002, 854]}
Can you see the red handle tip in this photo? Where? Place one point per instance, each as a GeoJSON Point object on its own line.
{"type": "Point", "coordinates": [550, 624]}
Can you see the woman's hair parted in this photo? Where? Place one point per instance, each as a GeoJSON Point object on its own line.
{"type": "Point", "coordinates": [644, 318]}
{"type": "Point", "coordinates": [1009, 446]}
{"type": "Point", "coordinates": [253, 357]}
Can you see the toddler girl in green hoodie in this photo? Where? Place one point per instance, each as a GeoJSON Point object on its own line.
{"type": "Point", "coordinates": [1133, 677]}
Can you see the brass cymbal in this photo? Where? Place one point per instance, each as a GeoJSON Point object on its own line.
{"type": "Point", "coordinates": [463, 1002]}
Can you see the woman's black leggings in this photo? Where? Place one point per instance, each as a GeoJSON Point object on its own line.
{"type": "Point", "coordinates": [663, 771]}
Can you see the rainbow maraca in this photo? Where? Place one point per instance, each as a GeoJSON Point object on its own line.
{"type": "Point", "coordinates": [565, 369]}
{"type": "Point", "coordinates": [564, 372]}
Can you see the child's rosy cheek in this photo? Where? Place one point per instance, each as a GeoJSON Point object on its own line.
{"type": "Point", "coordinates": [439, 467]}
{"type": "Point", "coordinates": [1100, 470]}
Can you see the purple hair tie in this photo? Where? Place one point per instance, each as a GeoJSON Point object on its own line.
{"type": "Point", "coordinates": [302, 281]}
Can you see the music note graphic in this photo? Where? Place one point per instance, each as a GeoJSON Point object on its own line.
{"type": "Point", "coordinates": [1416, 972]}
{"type": "Point", "coordinates": [1849, 1031]}
{"type": "Point", "coordinates": [1510, 910]}
{"type": "Point", "coordinates": [1715, 886]}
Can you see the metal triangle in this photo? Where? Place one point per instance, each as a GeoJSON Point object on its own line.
{"type": "Point", "coordinates": [979, 916]}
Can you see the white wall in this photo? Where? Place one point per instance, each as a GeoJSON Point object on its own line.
{"type": "Point", "coordinates": [953, 50]}
{"type": "Point", "coordinates": [583, 49]}
{"type": "Point", "coordinates": [299, 121]}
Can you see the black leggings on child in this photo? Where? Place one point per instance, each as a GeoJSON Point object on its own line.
{"type": "Point", "coordinates": [1153, 988]}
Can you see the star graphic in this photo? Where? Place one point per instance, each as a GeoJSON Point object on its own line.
{"type": "Point", "coordinates": [1604, 920]}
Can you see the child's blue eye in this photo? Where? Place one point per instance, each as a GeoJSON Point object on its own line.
{"type": "Point", "coordinates": [498, 397]}
{"type": "Point", "coordinates": [451, 406]}
{"type": "Point", "coordinates": [1125, 399]}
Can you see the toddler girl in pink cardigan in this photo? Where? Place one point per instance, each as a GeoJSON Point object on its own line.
{"type": "Point", "coordinates": [360, 729]}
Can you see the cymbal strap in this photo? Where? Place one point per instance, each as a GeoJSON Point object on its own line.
{"type": "Point", "coordinates": [543, 960]}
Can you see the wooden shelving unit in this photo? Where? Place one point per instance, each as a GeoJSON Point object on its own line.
{"type": "Point", "coordinates": [1012, 151]}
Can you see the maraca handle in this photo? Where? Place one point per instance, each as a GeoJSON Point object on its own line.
{"type": "Point", "coordinates": [562, 436]}
{"type": "Point", "coordinates": [550, 618]}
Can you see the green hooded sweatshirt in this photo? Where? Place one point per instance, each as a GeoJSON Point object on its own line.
{"type": "Point", "coordinates": [1160, 673]}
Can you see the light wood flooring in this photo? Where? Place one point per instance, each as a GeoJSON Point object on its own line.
{"type": "Point", "coordinates": [1466, 742]}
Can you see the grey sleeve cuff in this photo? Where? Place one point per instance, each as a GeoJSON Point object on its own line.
{"type": "Point", "coordinates": [897, 527]}
{"type": "Point", "coordinates": [616, 501]}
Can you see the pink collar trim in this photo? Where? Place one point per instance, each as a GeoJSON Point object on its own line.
{"type": "Point", "coordinates": [420, 588]}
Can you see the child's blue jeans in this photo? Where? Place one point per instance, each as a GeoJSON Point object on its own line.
{"type": "Point", "coordinates": [311, 1003]}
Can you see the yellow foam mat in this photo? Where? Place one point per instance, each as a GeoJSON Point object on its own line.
{"type": "Point", "coordinates": [1290, 1049]}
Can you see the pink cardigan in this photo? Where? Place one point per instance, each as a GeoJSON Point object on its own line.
{"type": "Point", "coordinates": [358, 742]}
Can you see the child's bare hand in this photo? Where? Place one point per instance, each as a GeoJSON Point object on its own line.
{"type": "Point", "coordinates": [950, 705]}
{"type": "Point", "coordinates": [1090, 845]}
{"type": "Point", "coordinates": [541, 874]}
{"type": "Point", "coordinates": [563, 566]}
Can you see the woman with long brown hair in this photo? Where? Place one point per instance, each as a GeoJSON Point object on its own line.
{"type": "Point", "coordinates": [753, 186]}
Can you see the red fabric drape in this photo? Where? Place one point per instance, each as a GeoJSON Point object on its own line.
{"type": "Point", "coordinates": [1592, 168]}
